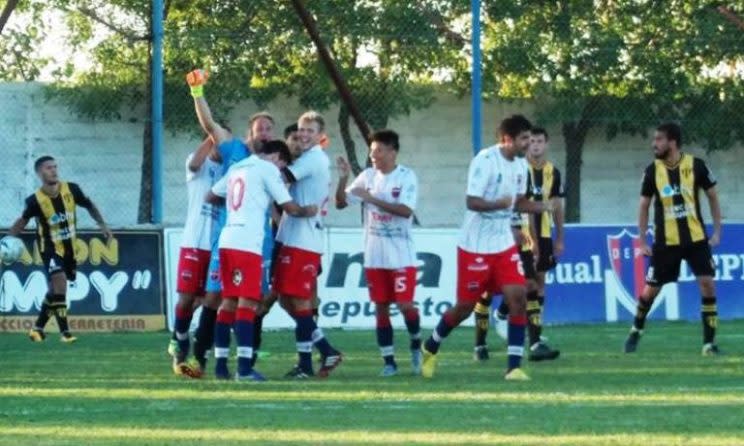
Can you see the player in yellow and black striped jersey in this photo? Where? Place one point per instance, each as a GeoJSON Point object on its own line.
{"type": "Point", "coordinates": [53, 206]}
{"type": "Point", "coordinates": [674, 182]}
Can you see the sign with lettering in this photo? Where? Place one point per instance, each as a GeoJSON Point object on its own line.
{"type": "Point", "coordinates": [597, 279]}
{"type": "Point", "coordinates": [119, 284]}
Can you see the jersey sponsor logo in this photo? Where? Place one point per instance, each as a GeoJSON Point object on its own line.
{"type": "Point", "coordinates": [61, 217]}
{"type": "Point", "coordinates": [670, 190]}
{"type": "Point", "coordinates": [473, 286]}
{"type": "Point", "coordinates": [382, 218]}
{"type": "Point", "coordinates": [186, 275]}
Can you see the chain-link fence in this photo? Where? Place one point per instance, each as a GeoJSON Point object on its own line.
{"type": "Point", "coordinates": [598, 81]}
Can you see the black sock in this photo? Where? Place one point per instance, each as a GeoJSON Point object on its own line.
{"type": "Point", "coordinates": [43, 317]}
{"type": "Point", "coordinates": [482, 310]}
{"type": "Point", "coordinates": [204, 334]}
{"type": "Point", "coordinates": [257, 330]}
{"type": "Point", "coordinates": [641, 312]}
{"type": "Point", "coordinates": [534, 317]}
{"type": "Point", "coordinates": [710, 319]}
{"type": "Point", "coordinates": [60, 314]}
{"type": "Point", "coordinates": [503, 308]}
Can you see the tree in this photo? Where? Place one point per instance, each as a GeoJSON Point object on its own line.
{"type": "Point", "coordinates": [258, 51]}
{"type": "Point", "coordinates": [619, 66]}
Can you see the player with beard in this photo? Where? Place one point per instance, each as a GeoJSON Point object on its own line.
{"type": "Point", "coordinates": [231, 150]}
{"type": "Point", "coordinates": [674, 182]}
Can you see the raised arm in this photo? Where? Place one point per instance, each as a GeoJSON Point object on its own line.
{"type": "Point", "coordinates": [196, 80]}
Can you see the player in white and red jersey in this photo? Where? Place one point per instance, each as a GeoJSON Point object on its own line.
{"type": "Point", "coordinates": [250, 187]}
{"type": "Point", "coordinates": [302, 244]}
{"type": "Point", "coordinates": [202, 171]}
{"type": "Point", "coordinates": [487, 257]}
{"type": "Point", "coordinates": [389, 192]}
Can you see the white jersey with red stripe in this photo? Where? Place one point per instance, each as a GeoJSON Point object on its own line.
{"type": "Point", "coordinates": [387, 237]}
{"type": "Point", "coordinates": [199, 214]}
{"type": "Point", "coordinates": [249, 188]}
{"type": "Point", "coordinates": [491, 176]}
{"type": "Point", "coordinates": [312, 175]}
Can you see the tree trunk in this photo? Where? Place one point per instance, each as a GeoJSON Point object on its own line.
{"type": "Point", "coordinates": [7, 11]}
{"type": "Point", "coordinates": [574, 134]}
{"type": "Point", "coordinates": [572, 178]}
{"type": "Point", "coordinates": [344, 123]}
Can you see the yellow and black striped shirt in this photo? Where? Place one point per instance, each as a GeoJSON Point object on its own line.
{"type": "Point", "coordinates": [677, 217]}
{"type": "Point", "coordinates": [544, 184]}
{"type": "Point", "coordinates": [55, 218]}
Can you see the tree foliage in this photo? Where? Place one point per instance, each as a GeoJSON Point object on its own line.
{"type": "Point", "coordinates": [618, 66]}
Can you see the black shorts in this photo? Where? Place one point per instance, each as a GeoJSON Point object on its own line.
{"type": "Point", "coordinates": [666, 261]}
{"type": "Point", "coordinates": [528, 264]}
{"type": "Point", "coordinates": [54, 264]}
{"type": "Point", "coordinates": [546, 260]}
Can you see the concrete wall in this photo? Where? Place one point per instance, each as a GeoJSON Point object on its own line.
{"type": "Point", "coordinates": [105, 158]}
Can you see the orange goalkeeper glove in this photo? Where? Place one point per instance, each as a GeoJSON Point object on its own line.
{"type": "Point", "coordinates": [196, 80]}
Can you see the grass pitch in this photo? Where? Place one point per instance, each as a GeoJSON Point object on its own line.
{"type": "Point", "coordinates": [118, 389]}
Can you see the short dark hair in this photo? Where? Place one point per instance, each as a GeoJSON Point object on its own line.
{"type": "Point", "coordinates": [540, 131]}
{"type": "Point", "coordinates": [672, 131]}
{"type": "Point", "coordinates": [288, 130]}
{"type": "Point", "coordinates": [514, 125]}
{"type": "Point", "coordinates": [277, 146]}
{"type": "Point", "coordinates": [42, 160]}
{"type": "Point", "coordinates": [387, 137]}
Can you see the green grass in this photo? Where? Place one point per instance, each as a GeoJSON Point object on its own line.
{"type": "Point", "coordinates": [118, 389]}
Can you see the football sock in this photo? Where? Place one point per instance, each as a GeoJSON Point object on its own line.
{"type": "Point", "coordinates": [204, 334]}
{"type": "Point", "coordinates": [244, 332]}
{"type": "Point", "coordinates": [534, 317]}
{"type": "Point", "coordinates": [59, 307]}
{"type": "Point", "coordinates": [710, 319]}
{"type": "Point", "coordinates": [482, 310]}
{"type": "Point", "coordinates": [44, 314]}
{"type": "Point", "coordinates": [413, 324]}
{"type": "Point", "coordinates": [257, 337]}
{"type": "Point", "coordinates": [303, 337]}
{"type": "Point", "coordinates": [639, 323]}
{"type": "Point", "coordinates": [503, 308]}
{"type": "Point", "coordinates": [385, 338]}
{"type": "Point", "coordinates": [225, 320]}
{"type": "Point", "coordinates": [515, 336]}
{"type": "Point", "coordinates": [444, 328]}
{"type": "Point", "coordinates": [183, 322]}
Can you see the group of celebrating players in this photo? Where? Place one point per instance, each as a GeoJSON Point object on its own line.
{"type": "Point", "coordinates": [254, 236]}
{"type": "Point", "coordinates": [241, 263]}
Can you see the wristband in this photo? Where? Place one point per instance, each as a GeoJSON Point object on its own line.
{"type": "Point", "coordinates": [197, 91]}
